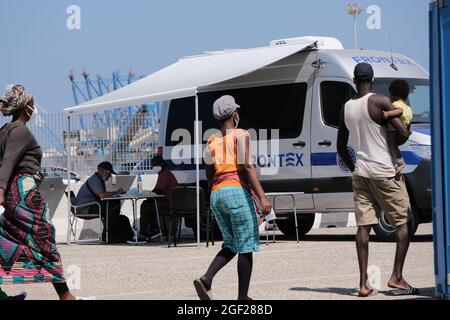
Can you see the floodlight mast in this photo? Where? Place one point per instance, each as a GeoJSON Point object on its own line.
{"type": "Point", "coordinates": [354, 9]}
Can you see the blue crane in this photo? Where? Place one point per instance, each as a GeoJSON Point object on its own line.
{"type": "Point", "coordinates": [128, 120]}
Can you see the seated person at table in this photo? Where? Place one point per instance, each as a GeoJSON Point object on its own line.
{"type": "Point", "coordinates": [166, 181]}
{"type": "Point", "coordinates": [93, 190]}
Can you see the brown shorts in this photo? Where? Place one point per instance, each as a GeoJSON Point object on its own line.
{"type": "Point", "coordinates": [389, 194]}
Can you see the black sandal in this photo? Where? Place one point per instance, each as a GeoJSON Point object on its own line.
{"type": "Point", "coordinates": [408, 291]}
{"type": "Point", "coordinates": [202, 292]}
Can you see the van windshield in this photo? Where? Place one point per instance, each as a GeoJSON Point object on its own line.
{"type": "Point", "coordinates": [418, 100]}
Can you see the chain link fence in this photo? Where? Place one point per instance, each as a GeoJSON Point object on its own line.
{"type": "Point", "coordinates": [127, 137]}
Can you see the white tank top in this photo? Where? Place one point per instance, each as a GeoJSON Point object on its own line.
{"type": "Point", "coordinates": [369, 139]}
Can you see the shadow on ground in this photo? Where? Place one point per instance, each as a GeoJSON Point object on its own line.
{"type": "Point", "coordinates": [279, 237]}
{"type": "Point", "coordinates": [340, 291]}
{"type": "Point", "coordinates": [425, 293]}
{"type": "Point", "coordinates": [337, 238]}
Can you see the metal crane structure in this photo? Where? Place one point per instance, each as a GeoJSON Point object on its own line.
{"type": "Point", "coordinates": [122, 135]}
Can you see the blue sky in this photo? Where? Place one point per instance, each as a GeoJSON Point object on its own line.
{"type": "Point", "coordinates": [38, 50]}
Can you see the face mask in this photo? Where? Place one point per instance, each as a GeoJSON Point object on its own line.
{"type": "Point", "coordinates": [106, 176]}
{"type": "Point", "coordinates": [236, 122]}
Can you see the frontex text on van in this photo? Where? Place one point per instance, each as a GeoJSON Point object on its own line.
{"type": "Point", "coordinates": [300, 97]}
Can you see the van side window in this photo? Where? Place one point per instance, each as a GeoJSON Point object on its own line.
{"type": "Point", "coordinates": [269, 107]}
{"type": "Point", "coordinates": [334, 95]}
{"type": "Point", "coordinates": [181, 116]}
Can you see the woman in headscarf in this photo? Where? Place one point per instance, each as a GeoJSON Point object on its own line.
{"type": "Point", "coordinates": [235, 185]}
{"type": "Point", "coordinates": [28, 252]}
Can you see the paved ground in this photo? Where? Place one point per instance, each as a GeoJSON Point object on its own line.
{"type": "Point", "coordinates": [321, 266]}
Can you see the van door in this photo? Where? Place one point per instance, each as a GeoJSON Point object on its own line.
{"type": "Point", "coordinates": [293, 112]}
{"type": "Point", "coordinates": [332, 186]}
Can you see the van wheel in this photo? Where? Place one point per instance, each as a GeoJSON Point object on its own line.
{"type": "Point", "coordinates": [386, 232]}
{"type": "Point", "coordinates": [287, 224]}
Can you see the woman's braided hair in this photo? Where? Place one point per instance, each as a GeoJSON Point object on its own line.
{"type": "Point", "coordinates": [15, 100]}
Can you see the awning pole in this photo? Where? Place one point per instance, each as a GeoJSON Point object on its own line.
{"type": "Point", "coordinates": [68, 180]}
{"type": "Point", "coordinates": [197, 166]}
{"type": "Point", "coordinates": [110, 138]}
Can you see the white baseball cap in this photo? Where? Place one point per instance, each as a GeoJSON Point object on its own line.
{"type": "Point", "coordinates": [224, 107]}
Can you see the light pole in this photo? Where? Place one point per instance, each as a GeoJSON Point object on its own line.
{"type": "Point", "coordinates": [354, 9]}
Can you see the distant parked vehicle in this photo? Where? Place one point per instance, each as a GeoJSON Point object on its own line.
{"type": "Point", "coordinates": [59, 172]}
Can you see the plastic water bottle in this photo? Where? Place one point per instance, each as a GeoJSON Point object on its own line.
{"type": "Point", "coordinates": [139, 183]}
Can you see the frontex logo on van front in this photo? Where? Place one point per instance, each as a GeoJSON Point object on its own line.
{"type": "Point", "coordinates": [381, 59]}
{"type": "Point", "coordinates": [279, 160]}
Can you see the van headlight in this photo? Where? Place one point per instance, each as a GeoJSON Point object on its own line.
{"type": "Point", "coordinates": [421, 150]}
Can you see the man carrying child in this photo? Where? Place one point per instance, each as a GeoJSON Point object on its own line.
{"type": "Point", "coordinates": [376, 183]}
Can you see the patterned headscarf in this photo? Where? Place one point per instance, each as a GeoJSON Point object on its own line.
{"type": "Point", "coordinates": [15, 100]}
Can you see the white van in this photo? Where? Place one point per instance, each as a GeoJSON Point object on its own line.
{"type": "Point", "coordinates": [302, 96]}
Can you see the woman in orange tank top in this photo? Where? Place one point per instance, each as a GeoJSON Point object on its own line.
{"type": "Point", "coordinates": [234, 184]}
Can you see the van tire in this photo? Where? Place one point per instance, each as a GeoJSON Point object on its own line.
{"type": "Point", "coordinates": [385, 232]}
{"type": "Point", "coordinates": [287, 224]}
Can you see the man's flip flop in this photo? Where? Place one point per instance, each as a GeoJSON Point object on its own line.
{"type": "Point", "coordinates": [409, 291]}
{"type": "Point", "coordinates": [202, 292]}
{"type": "Point", "coordinates": [370, 294]}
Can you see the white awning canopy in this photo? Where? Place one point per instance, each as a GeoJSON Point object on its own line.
{"type": "Point", "coordinates": [189, 74]}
